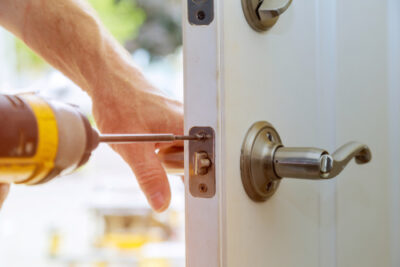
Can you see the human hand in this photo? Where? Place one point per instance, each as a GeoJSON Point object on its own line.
{"type": "Point", "coordinates": [130, 110]}
{"type": "Point", "coordinates": [4, 188]}
{"type": "Point", "coordinates": [71, 38]}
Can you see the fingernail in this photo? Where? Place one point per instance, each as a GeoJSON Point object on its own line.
{"type": "Point", "coordinates": [157, 201]}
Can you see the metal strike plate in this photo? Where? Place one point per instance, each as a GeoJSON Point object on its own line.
{"type": "Point", "coordinates": [200, 12]}
{"type": "Point", "coordinates": [202, 163]}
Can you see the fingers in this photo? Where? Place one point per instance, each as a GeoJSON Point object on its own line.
{"type": "Point", "coordinates": [4, 189]}
{"type": "Point", "coordinates": [149, 173]}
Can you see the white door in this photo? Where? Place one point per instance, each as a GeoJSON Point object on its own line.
{"type": "Point", "coordinates": [326, 73]}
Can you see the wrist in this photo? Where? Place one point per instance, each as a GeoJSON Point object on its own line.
{"type": "Point", "coordinates": [114, 78]}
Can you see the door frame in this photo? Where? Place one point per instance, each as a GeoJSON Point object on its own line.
{"type": "Point", "coordinates": [201, 102]}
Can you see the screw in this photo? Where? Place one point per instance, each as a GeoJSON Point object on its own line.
{"type": "Point", "coordinates": [269, 186]}
{"type": "Point", "coordinates": [270, 137]}
{"type": "Point", "coordinates": [201, 15]}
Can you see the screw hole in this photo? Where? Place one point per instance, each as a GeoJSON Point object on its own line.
{"type": "Point", "coordinates": [270, 137]}
{"type": "Point", "coordinates": [269, 186]}
{"type": "Point", "coordinates": [201, 15]}
{"type": "Point", "coordinates": [203, 188]}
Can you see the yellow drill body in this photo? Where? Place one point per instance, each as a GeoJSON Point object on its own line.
{"type": "Point", "coordinates": [39, 139]}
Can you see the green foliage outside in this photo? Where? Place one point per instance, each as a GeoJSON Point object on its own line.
{"type": "Point", "coordinates": [121, 17]}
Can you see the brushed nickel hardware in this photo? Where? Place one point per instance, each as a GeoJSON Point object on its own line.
{"type": "Point", "coordinates": [201, 160]}
{"type": "Point", "coordinates": [265, 161]}
{"type": "Point", "coordinates": [263, 14]}
{"type": "Point", "coordinates": [202, 163]}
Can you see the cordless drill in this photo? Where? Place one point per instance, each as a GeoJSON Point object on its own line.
{"type": "Point", "coordinates": [41, 139]}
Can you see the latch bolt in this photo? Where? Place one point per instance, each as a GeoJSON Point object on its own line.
{"type": "Point", "coordinates": [201, 163]}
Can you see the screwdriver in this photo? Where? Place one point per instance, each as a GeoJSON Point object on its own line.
{"type": "Point", "coordinates": [41, 139]}
{"type": "Point", "coordinates": [137, 138]}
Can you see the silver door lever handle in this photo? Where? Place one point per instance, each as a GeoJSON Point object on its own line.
{"type": "Point", "coordinates": [314, 163]}
{"type": "Point", "coordinates": [360, 152]}
{"type": "Point", "coordinates": [264, 161]}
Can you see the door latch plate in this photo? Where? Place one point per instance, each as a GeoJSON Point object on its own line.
{"type": "Point", "coordinates": [202, 183]}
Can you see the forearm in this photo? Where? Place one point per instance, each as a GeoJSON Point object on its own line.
{"type": "Point", "coordinates": [69, 36]}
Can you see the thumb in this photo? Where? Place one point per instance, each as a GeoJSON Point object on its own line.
{"type": "Point", "coordinates": [4, 189]}
{"type": "Point", "coordinates": [149, 172]}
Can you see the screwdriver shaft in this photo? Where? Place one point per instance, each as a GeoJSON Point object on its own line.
{"type": "Point", "coordinates": [140, 138]}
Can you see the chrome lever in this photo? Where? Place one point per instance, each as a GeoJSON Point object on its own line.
{"type": "Point", "coordinates": [342, 156]}
{"type": "Point", "coordinates": [265, 161]}
{"type": "Point", "coordinates": [314, 163]}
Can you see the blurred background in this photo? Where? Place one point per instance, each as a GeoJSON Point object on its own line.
{"type": "Point", "coordinates": [96, 216]}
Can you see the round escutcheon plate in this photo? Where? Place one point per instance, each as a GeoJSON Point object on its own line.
{"type": "Point", "coordinates": [256, 161]}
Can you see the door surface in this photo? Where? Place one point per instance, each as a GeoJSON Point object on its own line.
{"type": "Point", "coordinates": [326, 73]}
